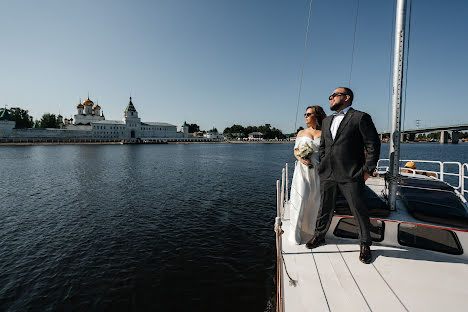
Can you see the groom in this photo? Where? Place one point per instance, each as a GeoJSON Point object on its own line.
{"type": "Point", "coordinates": [349, 150]}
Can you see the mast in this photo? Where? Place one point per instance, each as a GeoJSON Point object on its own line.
{"type": "Point", "coordinates": [395, 136]}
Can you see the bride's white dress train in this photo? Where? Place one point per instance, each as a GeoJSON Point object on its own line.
{"type": "Point", "coordinates": [305, 195]}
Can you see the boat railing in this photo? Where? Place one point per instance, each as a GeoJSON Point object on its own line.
{"type": "Point", "coordinates": [464, 186]}
{"type": "Point", "coordinates": [456, 178]}
{"type": "Point", "coordinates": [282, 196]}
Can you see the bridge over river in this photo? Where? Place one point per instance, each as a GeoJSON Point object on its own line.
{"type": "Point", "coordinates": [410, 134]}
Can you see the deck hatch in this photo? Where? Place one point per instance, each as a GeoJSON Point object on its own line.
{"type": "Point", "coordinates": [346, 228]}
{"type": "Point", "coordinates": [429, 238]}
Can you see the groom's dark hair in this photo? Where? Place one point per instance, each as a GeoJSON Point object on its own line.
{"type": "Point", "coordinates": [349, 92]}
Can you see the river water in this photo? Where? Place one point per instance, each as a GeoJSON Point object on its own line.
{"type": "Point", "coordinates": [146, 227]}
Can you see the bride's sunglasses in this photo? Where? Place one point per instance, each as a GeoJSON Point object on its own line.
{"type": "Point", "coordinates": [309, 114]}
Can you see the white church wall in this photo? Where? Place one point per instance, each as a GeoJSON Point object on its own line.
{"type": "Point", "coordinates": [50, 133]}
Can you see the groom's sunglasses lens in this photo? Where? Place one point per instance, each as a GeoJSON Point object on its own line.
{"type": "Point", "coordinates": [335, 94]}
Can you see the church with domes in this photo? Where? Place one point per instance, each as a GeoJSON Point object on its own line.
{"type": "Point", "coordinates": [90, 124]}
{"type": "Point", "coordinates": [88, 112]}
{"type": "Point", "coordinates": [130, 127]}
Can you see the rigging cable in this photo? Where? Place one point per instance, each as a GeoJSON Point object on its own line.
{"type": "Point", "coordinates": [302, 67]}
{"type": "Point", "coordinates": [407, 60]}
{"type": "Point", "coordinates": [354, 42]}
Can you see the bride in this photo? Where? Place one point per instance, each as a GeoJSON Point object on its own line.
{"type": "Point", "coordinates": [305, 186]}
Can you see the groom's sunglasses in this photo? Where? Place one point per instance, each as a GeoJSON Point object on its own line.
{"type": "Point", "coordinates": [336, 94]}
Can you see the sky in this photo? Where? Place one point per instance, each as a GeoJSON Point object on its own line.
{"type": "Point", "coordinates": [217, 63]}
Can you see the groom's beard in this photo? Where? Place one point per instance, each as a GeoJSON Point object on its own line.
{"type": "Point", "coordinates": [337, 106]}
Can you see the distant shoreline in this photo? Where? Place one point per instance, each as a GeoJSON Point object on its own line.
{"type": "Point", "coordinates": [182, 142]}
{"type": "Point", "coordinates": [119, 143]}
{"type": "Point", "coordinates": [58, 143]}
{"type": "Point", "coordinates": [257, 142]}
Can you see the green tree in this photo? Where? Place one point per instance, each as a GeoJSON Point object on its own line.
{"type": "Point", "coordinates": [49, 121]}
{"type": "Point", "coordinates": [299, 129]}
{"type": "Point", "coordinates": [267, 131]}
{"type": "Point", "coordinates": [21, 117]}
{"type": "Point", "coordinates": [250, 129]}
{"type": "Point", "coordinates": [235, 129]}
{"type": "Point", "coordinates": [277, 134]}
{"type": "Point", "coordinates": [193, 128]}
{"type": "Point", "coordinates": [434, 135]}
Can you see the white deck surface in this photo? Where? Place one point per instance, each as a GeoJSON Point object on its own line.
{"type": "Point", "coordinates": [331, 278]}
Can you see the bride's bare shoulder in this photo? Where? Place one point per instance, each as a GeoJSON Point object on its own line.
{"type": "Point", "coordinates": [300, 133]}
{"type": "Point", "coordinates": [305, 133]}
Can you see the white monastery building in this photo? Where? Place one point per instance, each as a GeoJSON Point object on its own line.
{"type": "Point", "coordinates": [131, 127]}
{"type": "Point", "coordinates": [89, 122]}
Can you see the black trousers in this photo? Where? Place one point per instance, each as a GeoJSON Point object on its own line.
{"type": "Point", "coordinates": [354, 192]}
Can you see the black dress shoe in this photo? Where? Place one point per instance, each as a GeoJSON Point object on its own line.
{"type": "Point", "coordinates": [365, 256]}
{"type": "Point", "coordinates": [315, 242]}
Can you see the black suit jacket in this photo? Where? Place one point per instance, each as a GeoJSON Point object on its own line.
{"type": "Point", "coordinates": [343, 159]}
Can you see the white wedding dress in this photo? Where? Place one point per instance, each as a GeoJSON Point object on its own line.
{"type": "Point", "coordinates": [305, 195]}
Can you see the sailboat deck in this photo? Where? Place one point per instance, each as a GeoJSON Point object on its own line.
{"type": "Point", "coordinates": [395, 280]}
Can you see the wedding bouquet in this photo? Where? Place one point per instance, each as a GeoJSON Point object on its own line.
{"type": "Point", "coordinates": [305, 151]}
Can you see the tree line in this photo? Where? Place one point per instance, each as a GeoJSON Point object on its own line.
{"type": "Point", "coordinates": [196, 128]}
{"type": "Point", "coordinates": [436, 135]}
{"type": "Point", "coordinates": [267, 131]}
{"type": "Point", "coordinates": [23, 120]}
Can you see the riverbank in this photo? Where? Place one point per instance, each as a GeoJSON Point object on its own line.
{"type": "Point", "coordinates": [116, 143]}
{"type": "Point", "coordinates": [234, 142]}
{"type": "Point", "coordinates": [257, 142]}
{"type": "Point", "coordinates": [176, 142]}
{"type": "Point", "coordinates": [58, 143]}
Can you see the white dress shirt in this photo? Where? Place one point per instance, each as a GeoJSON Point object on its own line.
{"type": "Point", "coordinates": [337, 121]}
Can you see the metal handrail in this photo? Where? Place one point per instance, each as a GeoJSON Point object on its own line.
{"type": "Point", "coordinates": [283, 178]}
{"type": "Point", "coordinates": [286, 197]}
{"type": "Point", "coordinates": [440, 174]}
{"type": "Point", "coordinates": [463, 190]}
{"type": "Point", "coordinates": [281, 199]}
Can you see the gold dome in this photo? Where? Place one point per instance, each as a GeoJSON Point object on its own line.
{"type": "Point", "coordinates": [88, 102]}
{"type": "Point", "coordinates": [79, 106]}
{"type": "Point", "coordinates": [97, 107]}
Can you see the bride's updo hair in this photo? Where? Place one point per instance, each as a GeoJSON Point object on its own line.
{"type": "Point", "coordinates": [319, 115]}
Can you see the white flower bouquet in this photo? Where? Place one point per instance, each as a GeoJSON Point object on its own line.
{"type": "Point", "coordinates": [305, 151]}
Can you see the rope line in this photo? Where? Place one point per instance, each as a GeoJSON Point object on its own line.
{"type": "Point", "coordinates": [354, 42]}
{"type": "Point", "coordinates": [280, 232]}
{"type": "Point", "coordinates": [303, 62]}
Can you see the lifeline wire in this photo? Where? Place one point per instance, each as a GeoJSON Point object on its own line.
{"type": "Point", "coordinates": [354, 43]}
{"type": "Point", "coordinates": [302, 67]}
